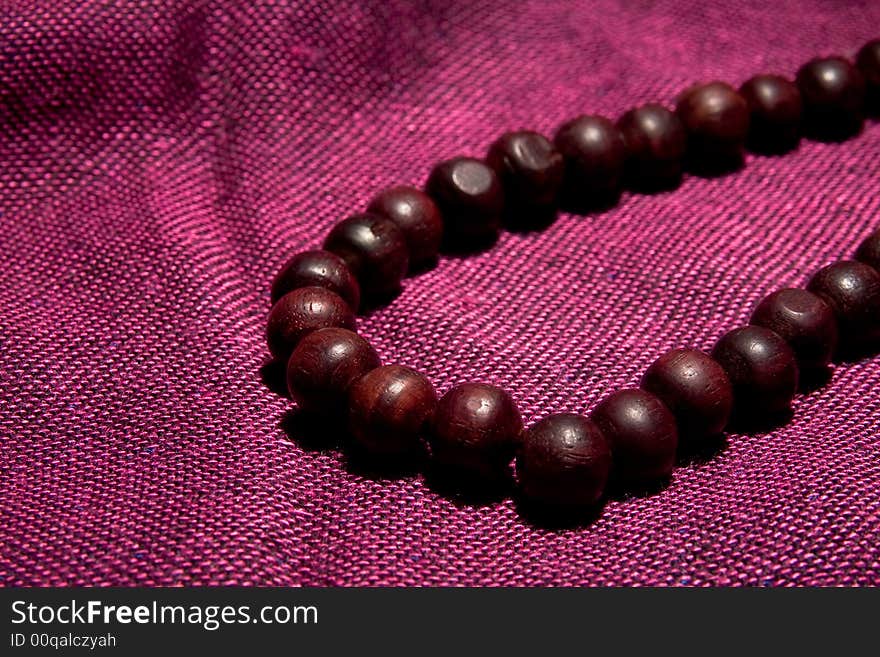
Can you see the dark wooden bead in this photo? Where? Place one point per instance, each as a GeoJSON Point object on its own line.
{"type": "Point", "coordinates": [762, 369]}
{"type": "Point", "coordinates": [776, 109]}
{"type": "Point", "coordinates": [852, 289]}
{"type": "Point", "coordinates": [470, 198]}
{"type": "Point", "coordinates": [594, 155]}
{"type": "Point", "coordinates": [804, 321]}
{"type": "Point", "coordinates": [417, 216]}
{"type": "Point", "coordinates": [302, 311]}
{"type": "Point", "coordinates": [530, 170]}
{"type": "Point", "coordinates": [475, 428]}
{"type": "Point", "coordinates": [375, 250]}
{"type": "Point", "coordinates": [833, 92]}
{"type": "Point", "coordinates": [716, 119]}
{"type": "Point", "coordinates": [655, 142]}
{"type": "Point", "coordinates": [641, 432]}
{"type": "Point", "coordinates": [695, 388]}
{"type": "Point", "coordinates": [323, 367]}
{"type": "Point", "coordinates": [321, 269]}
{"type": "Point", "coordinates": [868, 61]}
{"type": "Point", "coordinates": [564, 460]}
{"type": "Point", "coordinates": [389, 408]}
{"type": "Point", "coordinates": [869, 251]}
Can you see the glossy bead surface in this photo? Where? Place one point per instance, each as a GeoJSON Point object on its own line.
{"type": "Point", "coordinates": [323, 367]}
{"type": "Point", "coordinates": [869, 251]}
{"type": "Point", "coordinates": [564, 460]}
{"type": "Point", "coordinates": [655, 142]}
{"type": "Point", "coordinates": [530, 170]}
{"type": "Point", "coordinates": [868, 61]}
{"type": "Point", "coordinates": [417, 216]}
{"type": "Point", "coordinates": [594, 156]}
{"type": "Point", "coordinates": [804, 321]}
{"type": "Point", "coordinates": [833, 92]}
{"type": "Point", "coordinates": [320, 269]}
{"type": "Point", "coordinates": [389, 408]}
{"type": "Point", "coordinates": [695, 388]}
{"type": "Point", "coordinates": [475, 428]}
{"type": "Point", "coordinates": [302, 311]}
{"type": "Point", "coordinates": [716, 119]}
{"type": "Point", "coordinates": [470, 198]}
{"type": "Point", "coordinates": [852, 289]}
{"type": "Point", "coordinates": [641, 432]}
{"type": "Point", "coordinates": [375, 250]}
{"type": "Point", "coordinates": [762, 369]}
{"type": "Point", "coordinates": [775, 112]}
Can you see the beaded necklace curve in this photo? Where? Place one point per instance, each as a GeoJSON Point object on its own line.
{"type": "Point", "coordinates": [686, 397]}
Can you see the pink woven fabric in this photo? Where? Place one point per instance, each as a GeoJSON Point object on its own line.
{"type": "Point", "coordinates": [161, 159]}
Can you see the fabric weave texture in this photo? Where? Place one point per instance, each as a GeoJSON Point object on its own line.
{"type": "Point", "coordinates": [160, 160]}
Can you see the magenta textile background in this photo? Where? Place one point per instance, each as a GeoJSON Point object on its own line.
{"type": "Point", "coordinates": [161, 159]}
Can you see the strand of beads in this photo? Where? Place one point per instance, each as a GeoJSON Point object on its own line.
{"type": "Point", "coordinates": [686, 397]}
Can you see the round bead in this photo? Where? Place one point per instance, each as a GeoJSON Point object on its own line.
{"type": "Point", "coordinates": [564, 460]}
{"type": "Point", "coordinates": [641, 432]}
{"type": "Point", "coordinates": [775, 106]}
{"type": "Point", "coordinates": [868, 61]}
{"type": "Point", "coordinates": [833, 91]}
{"type": "Point", "coordinates": [530, 169]}
{"type": "Point", "coordinates": [655, 146]}
{"type": "Point", "coordinates": [696, 390]}
{"type": "Point", "coordinates": [470, 198]}
{"type": "Point", "coordinates": [375, 250]}
{"type": "Point", "coordinates": [716, 119]}
{"type": "Point", "coordinates": [323, 366]}
{"type": "Point", "coordinates": [302, 311]}
{"type": "Point", "coordinates": [417, 216]}
{"type": "Point", "coordinates": [388, 409]}
{"type": "Point", "coordinates": [852, 289]}
{"type": "Point", "coordinates": [594, 155]}
{"type": "Point", "coordinates": [804, 321]}
{"type": "Point", "coordinates": [869, 251]}
{"type": "Point", "coordinates": [761, 367]}
{"type": "Point", "coordinates": [320, 269]}
{"type": "Point", "coordinates": [475, 428]}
